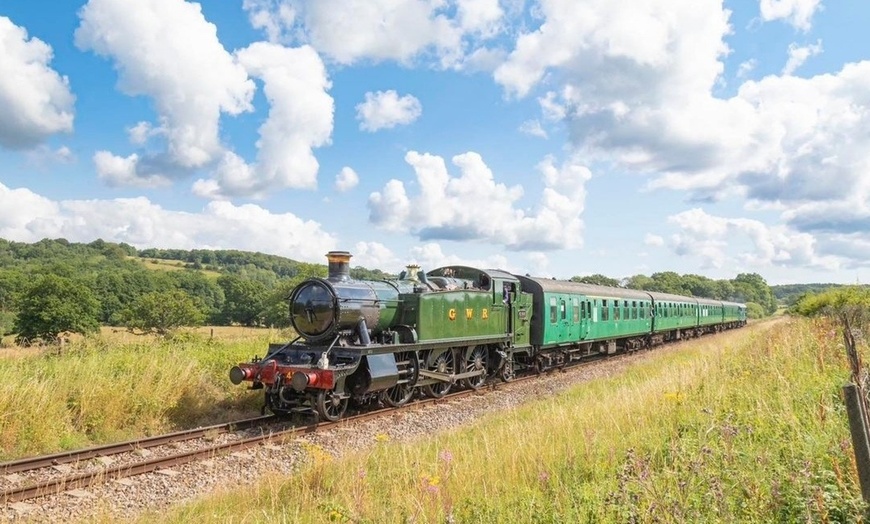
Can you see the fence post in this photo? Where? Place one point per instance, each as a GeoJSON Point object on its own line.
{"type": "Point", "coordinates": [860, 439]}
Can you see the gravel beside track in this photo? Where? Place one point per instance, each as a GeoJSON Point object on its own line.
{"type": "Point", "coordinates": [125, 499]}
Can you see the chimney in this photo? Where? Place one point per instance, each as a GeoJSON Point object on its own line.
{"type": "Point", "coordinates": [339, 265]}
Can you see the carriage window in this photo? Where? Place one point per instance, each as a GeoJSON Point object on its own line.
{"type": "Point", "coordinates": [605, 311]}
{"type": "Point", "coordinates": [576, 310]}
{"type": "Point", "coordinates": [616, 310]}
{"type": "Point", "coordinates": [643, 309]}
{"type": "Point", "coordinates": [634, 309]}
{"type": "Point", "coordinates": [562, 308]}
{"type": "Point", "coordinates": [552, 310]}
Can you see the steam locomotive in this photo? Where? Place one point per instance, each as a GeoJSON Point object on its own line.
{"type": "Point", "coordinates": [386, 341]}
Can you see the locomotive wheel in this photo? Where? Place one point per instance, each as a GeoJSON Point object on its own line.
{"type": "Point", "coordinates": [401, 393]}
{"type": "Point", "coordinates": [508, 372]}
{"type": "Point", "coordinates": [443, 363]}
{"type": "Point", "coordinates": [330, 406]}
{"type": "Point", "coordinates": [476, 359]}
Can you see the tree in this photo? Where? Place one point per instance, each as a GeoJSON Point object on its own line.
{"type": "Point", "coordinates": [701, 286]}
{"type": "Point", "coordinates": [751, 287]}
{"type": "Point", "coordinates": [597, 279]}
{"type": "Point", "coordinates": [668, 282]}
{"type": "Point", "coordinates": [12, 282]}
{"type": "Point", "coordinates": [205, 291]}
{"type": "Point", "coordinates": [161, 312]}
{"type": "Point", "coordinates": [55, 305]}
{"type": "Point", "coordinates": [754, 310]}
{"type": "Point", "coordinates": [244, 300]}
{"type": "Point", "coordinates": [639, 282]}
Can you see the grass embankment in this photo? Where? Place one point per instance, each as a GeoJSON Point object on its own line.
{"type": "Point", "coordinates": [119, 386]}
{"type": "Point", "coordinates": [747, 426]}
{"type": "Point", "coordinates": [161, 264]}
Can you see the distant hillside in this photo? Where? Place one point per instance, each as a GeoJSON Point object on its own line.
{"type": "Point", "coordinates": [789, 293]}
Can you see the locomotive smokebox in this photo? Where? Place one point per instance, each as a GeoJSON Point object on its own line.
{"type": "Point", "coordinates": [339, 265]}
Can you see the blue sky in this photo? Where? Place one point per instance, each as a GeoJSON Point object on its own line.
{"type": "Point", "coordinates": [553, 137]}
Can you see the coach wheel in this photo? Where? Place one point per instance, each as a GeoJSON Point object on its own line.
{"type": "Point", "coordinates": [443, 363]}
{"type": "Point", "coordinates": [409, 368]}
{"type": "Point", "coordinates": [330, 406]}
{"type": "Point", "coordinates": [476, 359]}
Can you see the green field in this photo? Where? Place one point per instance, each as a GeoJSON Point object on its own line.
{"type": "Point", "coordinates": [159, 264]}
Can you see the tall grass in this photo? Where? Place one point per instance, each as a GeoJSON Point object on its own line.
{"type": "Point", "coordinates": [101, 389]}
{"type": "Point", "coordinates": [747, 426]}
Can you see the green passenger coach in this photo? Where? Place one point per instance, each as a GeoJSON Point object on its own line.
{"type": "Point", "coordinates": [589, 318]}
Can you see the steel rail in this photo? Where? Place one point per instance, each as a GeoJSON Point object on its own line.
{"type": "Point", "coordinates": [67, 457]}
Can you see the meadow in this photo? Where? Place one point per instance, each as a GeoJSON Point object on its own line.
{"type": "Point", "coordinates": [747, 426]}
{"type": "Point", "coordinates": [118, 386]}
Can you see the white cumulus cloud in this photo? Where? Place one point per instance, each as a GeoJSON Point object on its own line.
{"type": "Point", "coordinates": [797, 55]}
{"type": "Point", "coordinates": [376, 255]}
{"type": "Point", "coordinates": [118, 171]}
{"type": "Point", "coordinates": [167, 50]}
{"type": "Point", "coordinates": [386, 109]}
{"type": "Point", "coordinates": [798, 13]}
{"type": "Point", "coordinates": [483, 16]}
{"type": "Point", "coordinates": [346, 179]}
{"type": "Point", "coordinates": [533, 128]}
{"type": "Point", "coordinates": [300, 119]}
{"type": "Point", "coordinates": [35, 101]}
{"type": "Point", "coordinates": [713, 240]}
{"type": "Point", "coordinates": [473, 206]}
{"type": "Point", "coordinates": [444, 34]}
{"type": "Point", "coordinates": [653, 240]}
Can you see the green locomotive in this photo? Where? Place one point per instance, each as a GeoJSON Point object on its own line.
{"type": "Point", "coordinates": [455, 325]}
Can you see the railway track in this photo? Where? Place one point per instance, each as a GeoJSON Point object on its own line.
{"type": "Point", "coordinates": [71, 457]}
{"type": "Point", "coordinates": [68, 482]}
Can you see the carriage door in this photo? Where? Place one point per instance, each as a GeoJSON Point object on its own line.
{"type": "Point", "coordinates": [583, 318]}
